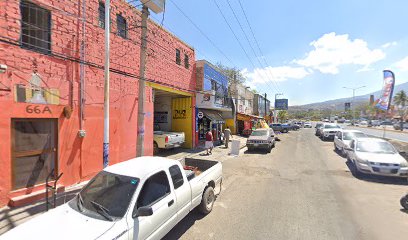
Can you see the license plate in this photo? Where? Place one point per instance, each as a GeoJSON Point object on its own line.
{"type": "Point", "coordinates": [256, 145]}
{"type": "Point", "coordinates": [384, 170]}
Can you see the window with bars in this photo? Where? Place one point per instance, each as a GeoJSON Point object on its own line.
{"type": "Point", "coordinates": [35, 27]}
{"type": "Point", "coordinates": [178, 57]}
{"type": "Point", "coordinates": [101, 9]}
{"type": "Point", "coordinates": [186, 61]}
{"type": "Point", "coordinates": [122, 26]}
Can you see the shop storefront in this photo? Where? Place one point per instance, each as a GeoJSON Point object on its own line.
{"type": "Point", "coordinates": [209, 120]}
{"type": "Point", "coordinates": [246, 123]}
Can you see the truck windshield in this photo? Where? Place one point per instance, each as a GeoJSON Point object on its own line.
{"type": "Point", "coordinates": [108, 194]}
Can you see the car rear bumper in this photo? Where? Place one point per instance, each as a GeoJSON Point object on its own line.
{"type": "Point", "coordinates": [392, 171]}
{"type": "Point", "coordinates": [173, 145]}
{"type": "Point", "coordinates": [258, 145]}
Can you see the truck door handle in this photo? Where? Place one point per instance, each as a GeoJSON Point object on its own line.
{"type": "Point", "coordinates": [170, 203]}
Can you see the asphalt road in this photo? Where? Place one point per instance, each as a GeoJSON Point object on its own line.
{"type": "Point", "coordinates": [302, 190]}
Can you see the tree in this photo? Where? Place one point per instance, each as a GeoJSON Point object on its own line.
{"type": "Point", "coordinates": [401, 100]}
{"type": "Point", "coordinates": [234, 75]}
{"type": "Point", "coordinates": [282, 115]}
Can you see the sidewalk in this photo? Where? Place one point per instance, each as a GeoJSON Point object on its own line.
{"type": "Point", "coordinates": [12, 217]}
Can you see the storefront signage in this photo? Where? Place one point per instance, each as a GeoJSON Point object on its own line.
{"type": "Point", "coordinates": [180, 114]}
{"type": "Point", "coordinates": [200, 115]}
{"type": "Point", "coordinates": [37, 109]}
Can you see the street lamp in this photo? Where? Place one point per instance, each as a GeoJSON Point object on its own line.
{"type": "Point", "coordinates": [352, 102]}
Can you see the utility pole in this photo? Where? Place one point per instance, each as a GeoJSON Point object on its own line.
{"type": "Point", "coordinates": [142, 91]}
{"type": "Point", "coordinates": [275, 111]}
{"type": "Point", "coordinates": [106, 88]}
{"type": "Point", "coordinates": [265, 108]}
{"type": "Point", "coordinates": [352, 103]}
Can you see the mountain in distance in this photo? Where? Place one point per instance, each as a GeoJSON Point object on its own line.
{"type": "Point", "coordinates": [338, 104]}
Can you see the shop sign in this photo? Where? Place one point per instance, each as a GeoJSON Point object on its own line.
{"type": "Point", "coordinates": [200, 115]}
{"type": "Point", "coordinates": [37, 109]}
{"type": "Point", "coordinates": [205, 100]}
{"type": "Point", "coordinates": [180, 114]}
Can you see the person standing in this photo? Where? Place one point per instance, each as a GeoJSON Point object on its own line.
{"type": "Point", "coordinates": [227, 135]}
{"type": "Point", "coordinates": [209, 142]}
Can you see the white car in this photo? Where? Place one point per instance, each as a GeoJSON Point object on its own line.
{"type": "Point", "coordinates": [166, 140]}
{"type": "Point", "coordinates": [142, 198]}
{"type": "Point", "coordinates": [343, 139]}
{"type": "Point", "coordinates": [363, 123]}
{"type": "Point", "coordinates": [329, 130]}
{"type": "Point", "coordinates": [376, 156]}
{"type": "Point", "coordinates": [307, 125]}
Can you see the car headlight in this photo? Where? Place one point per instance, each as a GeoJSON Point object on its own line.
{"type": "Point", "coordinates": [404, 164]}
{"type": "Point", "coordinates": [360, 160]}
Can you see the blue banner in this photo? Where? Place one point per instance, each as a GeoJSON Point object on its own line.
{"type": "Point", "coordinates": [384, 101]}
{"type": "Point", "coordinates": [281, 104]}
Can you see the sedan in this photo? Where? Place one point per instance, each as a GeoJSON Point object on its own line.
{"type": "Point", "coordinates": [376, 156]}
{"type": "Point", "coordinates": [307, 125]}
{"type": "Point", "coordinates": [261, 138]}
{"type": "Point", "coordinates": [343, 139]}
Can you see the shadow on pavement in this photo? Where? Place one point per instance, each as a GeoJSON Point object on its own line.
{"type": "Point", "coordinates": [377, 178]}
{"type": "Point", "coordinates": [404, 210]}
{"type": "Point", "coordinates": [264, 152]}
{"type": "Point", "coordinates": [178, 231]}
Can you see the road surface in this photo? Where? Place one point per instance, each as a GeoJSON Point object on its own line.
{"type": "Point", "coordinates": [302, 190]}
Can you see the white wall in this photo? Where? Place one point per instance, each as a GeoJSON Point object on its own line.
{"type": "Point", "coordinates": [163, 104]}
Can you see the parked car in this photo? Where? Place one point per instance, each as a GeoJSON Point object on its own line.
{"type": "Point", "coordinates": [386, 123]}
{"type": "Point", "coordinates": [364, 123]}
{"type": "Point", "coordinates": [347, 121]}
{"type": "Point", "coordinates": [318, 129]}
{"type": "Point", "coordinates": [277, 127]}
{"type": "Point", "coordinates": [397, 126]}
{"type": "Point", "coordinates": [341, 120]}
{"type": "Point", "coordinates": [151, 193]}
{"type": "Point", "coordinates": [307, 125]}
{"type": "Point", "coordinates": [376, 156]}
{"type": "Point", "coordinates": [287, 127]}
{"type": "Point", "coordinates": [166, 140]}
{"type": "Point", "coordinates": [343, 139]}
{"type": "Point", "coordinates": [375, 123]}
{"type": "Point", "coordinates": [329, 130]}
{"type": "Point", "coordinates": [261, 138]}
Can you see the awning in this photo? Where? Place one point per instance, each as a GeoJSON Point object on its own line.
{"type": "Point", "coordinates": [213, 115]}
{"type": "Point", "coordinates": [247, 117]}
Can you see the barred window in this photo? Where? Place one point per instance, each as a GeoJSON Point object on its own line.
{"type": "Point", "coordinates": [101, 10]}
{"type": "Point", "coordinates": [35, 27]}
{"type": "Point", "coordinates": [186, 61]}
{"type": "Point", "coordinates": [122, 26]}
{"type": "Point", "coordinates": [178, 57]}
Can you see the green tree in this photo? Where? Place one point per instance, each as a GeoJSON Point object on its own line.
{"type": "Point", "coordinates": [401, 100]}
{"type": "Point", "coordinates": [282, 116]}
{"type": "Point", "coordinates": [234, 75]}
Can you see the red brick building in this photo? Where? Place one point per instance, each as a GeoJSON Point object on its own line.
{"type": "Point", "coordinates": [53, 87]}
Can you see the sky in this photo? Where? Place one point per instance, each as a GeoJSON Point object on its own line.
{"type": "Point", "coordinates": [308, 50]}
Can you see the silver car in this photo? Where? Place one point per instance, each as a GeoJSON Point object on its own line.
{"type": "Point", "coordinates": [376, 156]}
{"type": "Point", "coordinates": [263, 138]}
{"type": "Point", "coordinates": [343, 139]}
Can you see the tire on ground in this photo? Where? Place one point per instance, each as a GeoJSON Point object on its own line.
{"type": "Point", "coordinates": [207, 201]}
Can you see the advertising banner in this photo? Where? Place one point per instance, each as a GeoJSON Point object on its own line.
{"type": "Point", "coordinates": [281, 104]}
{"type": "Point", "coordinates": [386, 96]}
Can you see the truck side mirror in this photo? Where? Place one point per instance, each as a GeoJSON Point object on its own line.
{"type": "Point", "coordinates": [142, 212]}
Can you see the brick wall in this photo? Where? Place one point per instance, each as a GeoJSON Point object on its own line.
{"type": "Point", "coordinates": [81, 158]}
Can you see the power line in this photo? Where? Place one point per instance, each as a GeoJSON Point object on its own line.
{"type": "Point", "coordinates": [201, 31]}
{"type": "Point", "coordinates": [249, 42]}
{"type": "Point", "coordinates": [256, 41]}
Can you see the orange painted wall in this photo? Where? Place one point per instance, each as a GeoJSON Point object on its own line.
{"type": "Point", "coordinates": [80, 158]}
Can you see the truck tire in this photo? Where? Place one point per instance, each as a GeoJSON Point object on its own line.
{"type": "Point", "coordinates": [155, 148]}
{"type": "Point", "coordinates": [404, 202]}
{"type": "Point", "coordinates": [207, 201]}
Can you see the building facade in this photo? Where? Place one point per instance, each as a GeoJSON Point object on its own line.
{"type": "Point", "coordinates": [259, 106]}
{"type": "Point", "coordinates": [213, 106]}
{"type": "Point", "coordinates": [52, 91]}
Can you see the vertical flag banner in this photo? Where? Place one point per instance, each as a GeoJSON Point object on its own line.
{"type": "Point", "coordinates": [386, 96]}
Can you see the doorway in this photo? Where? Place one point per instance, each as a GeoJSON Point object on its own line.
{"type": "Point", "coordinates": [34, 151]}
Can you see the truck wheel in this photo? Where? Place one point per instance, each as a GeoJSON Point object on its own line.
{"type": "Point", "coordinates": [207, 201]}
{"type": "Point", "coordinates": [155, 148]}
{"type": "Point", "coordinates": [404, 202]}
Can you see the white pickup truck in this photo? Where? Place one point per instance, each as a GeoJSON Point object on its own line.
{"type": "Point", "coordinates": [166, 140]}
{"type": "Point", "coordinates": [142, 198]}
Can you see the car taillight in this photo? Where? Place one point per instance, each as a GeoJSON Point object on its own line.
{"type": "Point", "coordinates": [167, 139]}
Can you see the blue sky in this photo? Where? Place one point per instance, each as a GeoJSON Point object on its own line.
{"type": "Point", "coordinates": [310, 49]}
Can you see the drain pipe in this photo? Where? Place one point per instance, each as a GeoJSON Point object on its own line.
{"type": "Point", "coordinates": [81, 132]}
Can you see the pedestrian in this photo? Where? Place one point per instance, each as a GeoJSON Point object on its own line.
{"type": "Point", "coordinates": [209, 142]}
{"type": "Point", "coordinates": [227, 135]}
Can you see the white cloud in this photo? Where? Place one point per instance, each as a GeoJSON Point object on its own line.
{"type": "Point", "coordinates": [402, 64]}
{"type": "Point", "coordinates": [389, 44]}
{"type": "Point", "coordinates": [332, 51]}
{"type": "Point", "coordinates": [277, 74]}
